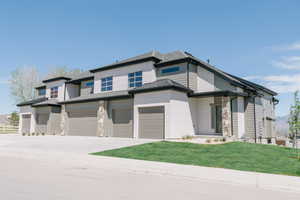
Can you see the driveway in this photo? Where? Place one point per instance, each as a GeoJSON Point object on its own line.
{"type": "Point", "coordinates": [62, 144]}
{"type": "Point", "coordinates": [59, 168]}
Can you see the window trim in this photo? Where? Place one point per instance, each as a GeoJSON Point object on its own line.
{"type": "Point", "coordinates": [105, 84]}
{"type": "Point", "coordinates": [170, 70]}
{"type": "Point", "coordinates": [44, 92]}
{"type": "Point", "coordinates": [54, 94]}
{"type": "Point", "coordinates": [89, 84]}
{"type": "Point", "coordinates": [135, 79]}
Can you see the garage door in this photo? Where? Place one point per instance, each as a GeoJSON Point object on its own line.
{"type": "Point", "coordinates": [41, 123]}
{"type": "Point", "coordinates": [122, 122]}
{"type": "Point", "coordinates": [82, 119]}
{"type": "Point", "coordinates": [26, 121]}
{"type": "Point", "coordinates": [151, 122]}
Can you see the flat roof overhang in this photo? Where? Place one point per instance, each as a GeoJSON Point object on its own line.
{"type": "Point", "coordinates": [221, 93]}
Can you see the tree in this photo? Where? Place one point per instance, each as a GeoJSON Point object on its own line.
{"type": "Point", "coordinates": [14, 119]}
{"type": "Point", "coordinates": [22, 83]}
{"type": "Point", "coordinates": [63, 71]}
{"type": "Point", "coordinates": [294, 121]}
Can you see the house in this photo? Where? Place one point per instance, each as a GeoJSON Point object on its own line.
{"type": "Point", "coordinates": [152, 95]}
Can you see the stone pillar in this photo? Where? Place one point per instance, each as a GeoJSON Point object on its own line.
{"type": "Point", "coordinates": [64, 118]}
{"type": "Point", "coordinates": [101, 118]}
{"type": "Point", "coordinates": [226, 117]}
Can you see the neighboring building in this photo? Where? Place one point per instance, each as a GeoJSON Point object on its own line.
{"type": "Point", "coordinates": [152, 95]}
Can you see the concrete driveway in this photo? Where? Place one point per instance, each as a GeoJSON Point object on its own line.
{"type": "Point", "coordinates": [62, 144]}
{"type": "Point", "coordinates": [59, 168]}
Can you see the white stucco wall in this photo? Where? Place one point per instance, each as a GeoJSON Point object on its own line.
{"type": "Point", "coordinates": [120, 75]}
{"type": "Point", "coordinates": [178, 119]}
{"type": "Point", "coordinates": [204, 115]}
{"type": "Point", "coordinates": [205, 80]}
{"type": "Point", "coordinates": [61, 89]}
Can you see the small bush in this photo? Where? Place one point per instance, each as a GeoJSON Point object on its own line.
{"type": "Point", "coordinates": [33, 134]}
{"type": "Point", "coordinates": [223, 139]}
{"type": "Point", "coordinates": [28, 134]}
{"type": "Point", "coordinates": [43, 133]}
{"type": "Point", "coordinates": [187, 137]}
{"type": "Point", "coordinates": [23, 134]}
{"type": "Point", "coordinates": [216, 140]}
{"type": "Point", "coordinates": [208, 141]}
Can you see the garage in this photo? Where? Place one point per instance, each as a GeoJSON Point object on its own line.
{"type": "Point", "coordinates": [122, 118]}
{"type": "Point", "coordinates": [41, 122]}
{"type": "Point", "coordinates": [26, 122]}
{"type": "Point", "coordinates": [151, 122]}
{"type": "Point", "coordinates": [82, 119]}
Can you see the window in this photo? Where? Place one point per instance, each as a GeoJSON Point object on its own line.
{"type": "Point", "coordinates": [107, 83]}
{"type": "Point", "coordinates": [89, 84]}
{"type": "Point", "coordinates": [170, 70]}
{"type": "Point", "coordinates": [135, 79]}
{"type": "Point", "coordinates": [41, 92]}
{"type": "Point", "coordinates": [54, 92]}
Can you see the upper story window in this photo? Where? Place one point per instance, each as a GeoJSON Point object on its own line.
{"type": "Point", "coordinates": [106, 83]}
{"type": "Point", "coordinates": [170, 70]}
{"type": "Point", "coordinates": [42, 92]}
{"type": "Point", "coordinates": [135, 79]}
{"type": "Point", "coordinates": [54, 92]}
{"type": "Point", "coordinates": [89, 84]}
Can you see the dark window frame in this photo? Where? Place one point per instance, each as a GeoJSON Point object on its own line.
{"type": "Point", "coordinates": [42, 92]}
{"type": "Point", "coordinates": [135, 79]}
{"type": "Point", "coordinates": [54, 92]}
{"type": "Point", "coordinates": [107, 84]}
{"type": "Point", "coordinates": [170, 70]}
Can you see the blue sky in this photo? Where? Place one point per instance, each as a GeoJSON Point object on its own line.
{"type": "Point", "coordinates": [259, 40]}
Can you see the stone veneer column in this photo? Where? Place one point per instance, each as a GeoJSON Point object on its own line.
{"type": "Point", "coordinates": [101, 118]}
{"type": "Point", "coordinates": [226, 116]}
{"type": "Point", "coordinates": [64, 117]}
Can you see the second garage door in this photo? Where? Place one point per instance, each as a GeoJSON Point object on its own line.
{"type": "Point", "coordinates": [82, 119]}
{"type": "Point", "coordinates": [151, 122]}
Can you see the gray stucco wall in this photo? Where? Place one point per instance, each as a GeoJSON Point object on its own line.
{"type": "Point", "coordinates": [180, 77]}
{"type": "Point", "coordinates": [249, 118]}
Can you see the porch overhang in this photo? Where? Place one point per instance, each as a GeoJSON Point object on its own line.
{"type": "Point", "coordinates": [222, 93]}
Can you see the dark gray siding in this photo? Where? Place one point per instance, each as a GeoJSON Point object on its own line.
{"type": "Point", "coordinates": [26, 122]}
{"type": "Point", "coordinates": [193, 77]}
{"type": "Point", "coordinates": [41, 122]}
{"type": "Point", "coordinates": [221, 84]}
{"type": "Point", "coordinates": [180, 77]}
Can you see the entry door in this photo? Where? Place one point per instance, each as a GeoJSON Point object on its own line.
{"type": "Point", "coordinates": [152, 122]}
{"type": "Point", "coordinates": [218, 119]}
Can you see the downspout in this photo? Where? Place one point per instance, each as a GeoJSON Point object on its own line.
{"type": "Point", "coordinates": [188, 74]}
{"type": "Point", "coordinates": [65, 91]}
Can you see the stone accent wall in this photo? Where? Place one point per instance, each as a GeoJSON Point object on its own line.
{"type": "Point", "coordinates": [64, 117]}
{"type": "Point", "coordinates": [226, 116]}
{"type": "Point", "coordinates": [101, 118]}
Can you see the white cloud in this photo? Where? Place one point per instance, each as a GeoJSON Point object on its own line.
{"type": "Point", "coordinates": [290, 62]}
{"type": "Point", "coordinates": [279, 83]}
{"type": "Point", "coordinates": [289, 47]}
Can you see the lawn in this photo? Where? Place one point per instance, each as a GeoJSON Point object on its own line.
{"type": "Point", "coordinates": [235, 155]}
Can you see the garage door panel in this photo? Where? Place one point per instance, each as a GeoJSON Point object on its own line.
{"type": "Point", "coordinates": [41, 122]}
{"type": "Point", "coordinates": [151, 122]}
{"type": "Point", "coordinates": [82, 120]}
{"type": "Point", "coordinates": [26, 122]}
{"type": "Point", "coordinates": [122, 122]}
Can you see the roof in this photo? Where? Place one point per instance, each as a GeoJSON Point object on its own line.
{"type": "Point", "coordinates": [33, 101]}
{"type": "Point", "coordinates": [86, 75]}
{"type": "Point", "coordinates": [98, 96]}
{"type": "Point", "coordinates": [162, 84]}
{"type": "Point", "coordinates": [153, 55]}
{"type": "Point", "coordinates": [40, 86]}
{"type": "Point", "coordinates": [56, 79]}
{"type": "Point", "coordinates": [218, 94]}
{"type": "Point", "coordinates": [48, 102]}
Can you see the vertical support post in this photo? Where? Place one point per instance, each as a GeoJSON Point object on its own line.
{"type": "Point", "coordinates": [101, 118]}
{"type": "Point", "coordinates": [64, 117]}
{"type": "Point", "coordinates": [226, 117]}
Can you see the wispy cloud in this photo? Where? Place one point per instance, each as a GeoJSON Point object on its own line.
{"type": "Point", "coordinates": [278, 83]}
{"type": "Point", "coordinates": [4, 81]}
{"type": "Point", "coordinates": [289, 62]}
{"type": "Point", "coordinates": [288, 47]}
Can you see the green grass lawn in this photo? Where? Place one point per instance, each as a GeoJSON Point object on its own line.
{"type": "Point", "coordinates": [235, 155]}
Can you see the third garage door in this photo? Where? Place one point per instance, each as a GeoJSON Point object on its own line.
{"type": "Point", "coordinates": [151, 122]}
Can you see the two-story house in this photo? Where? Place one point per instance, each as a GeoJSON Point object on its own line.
{"type": "Point", "coordinates": [152, 95]}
